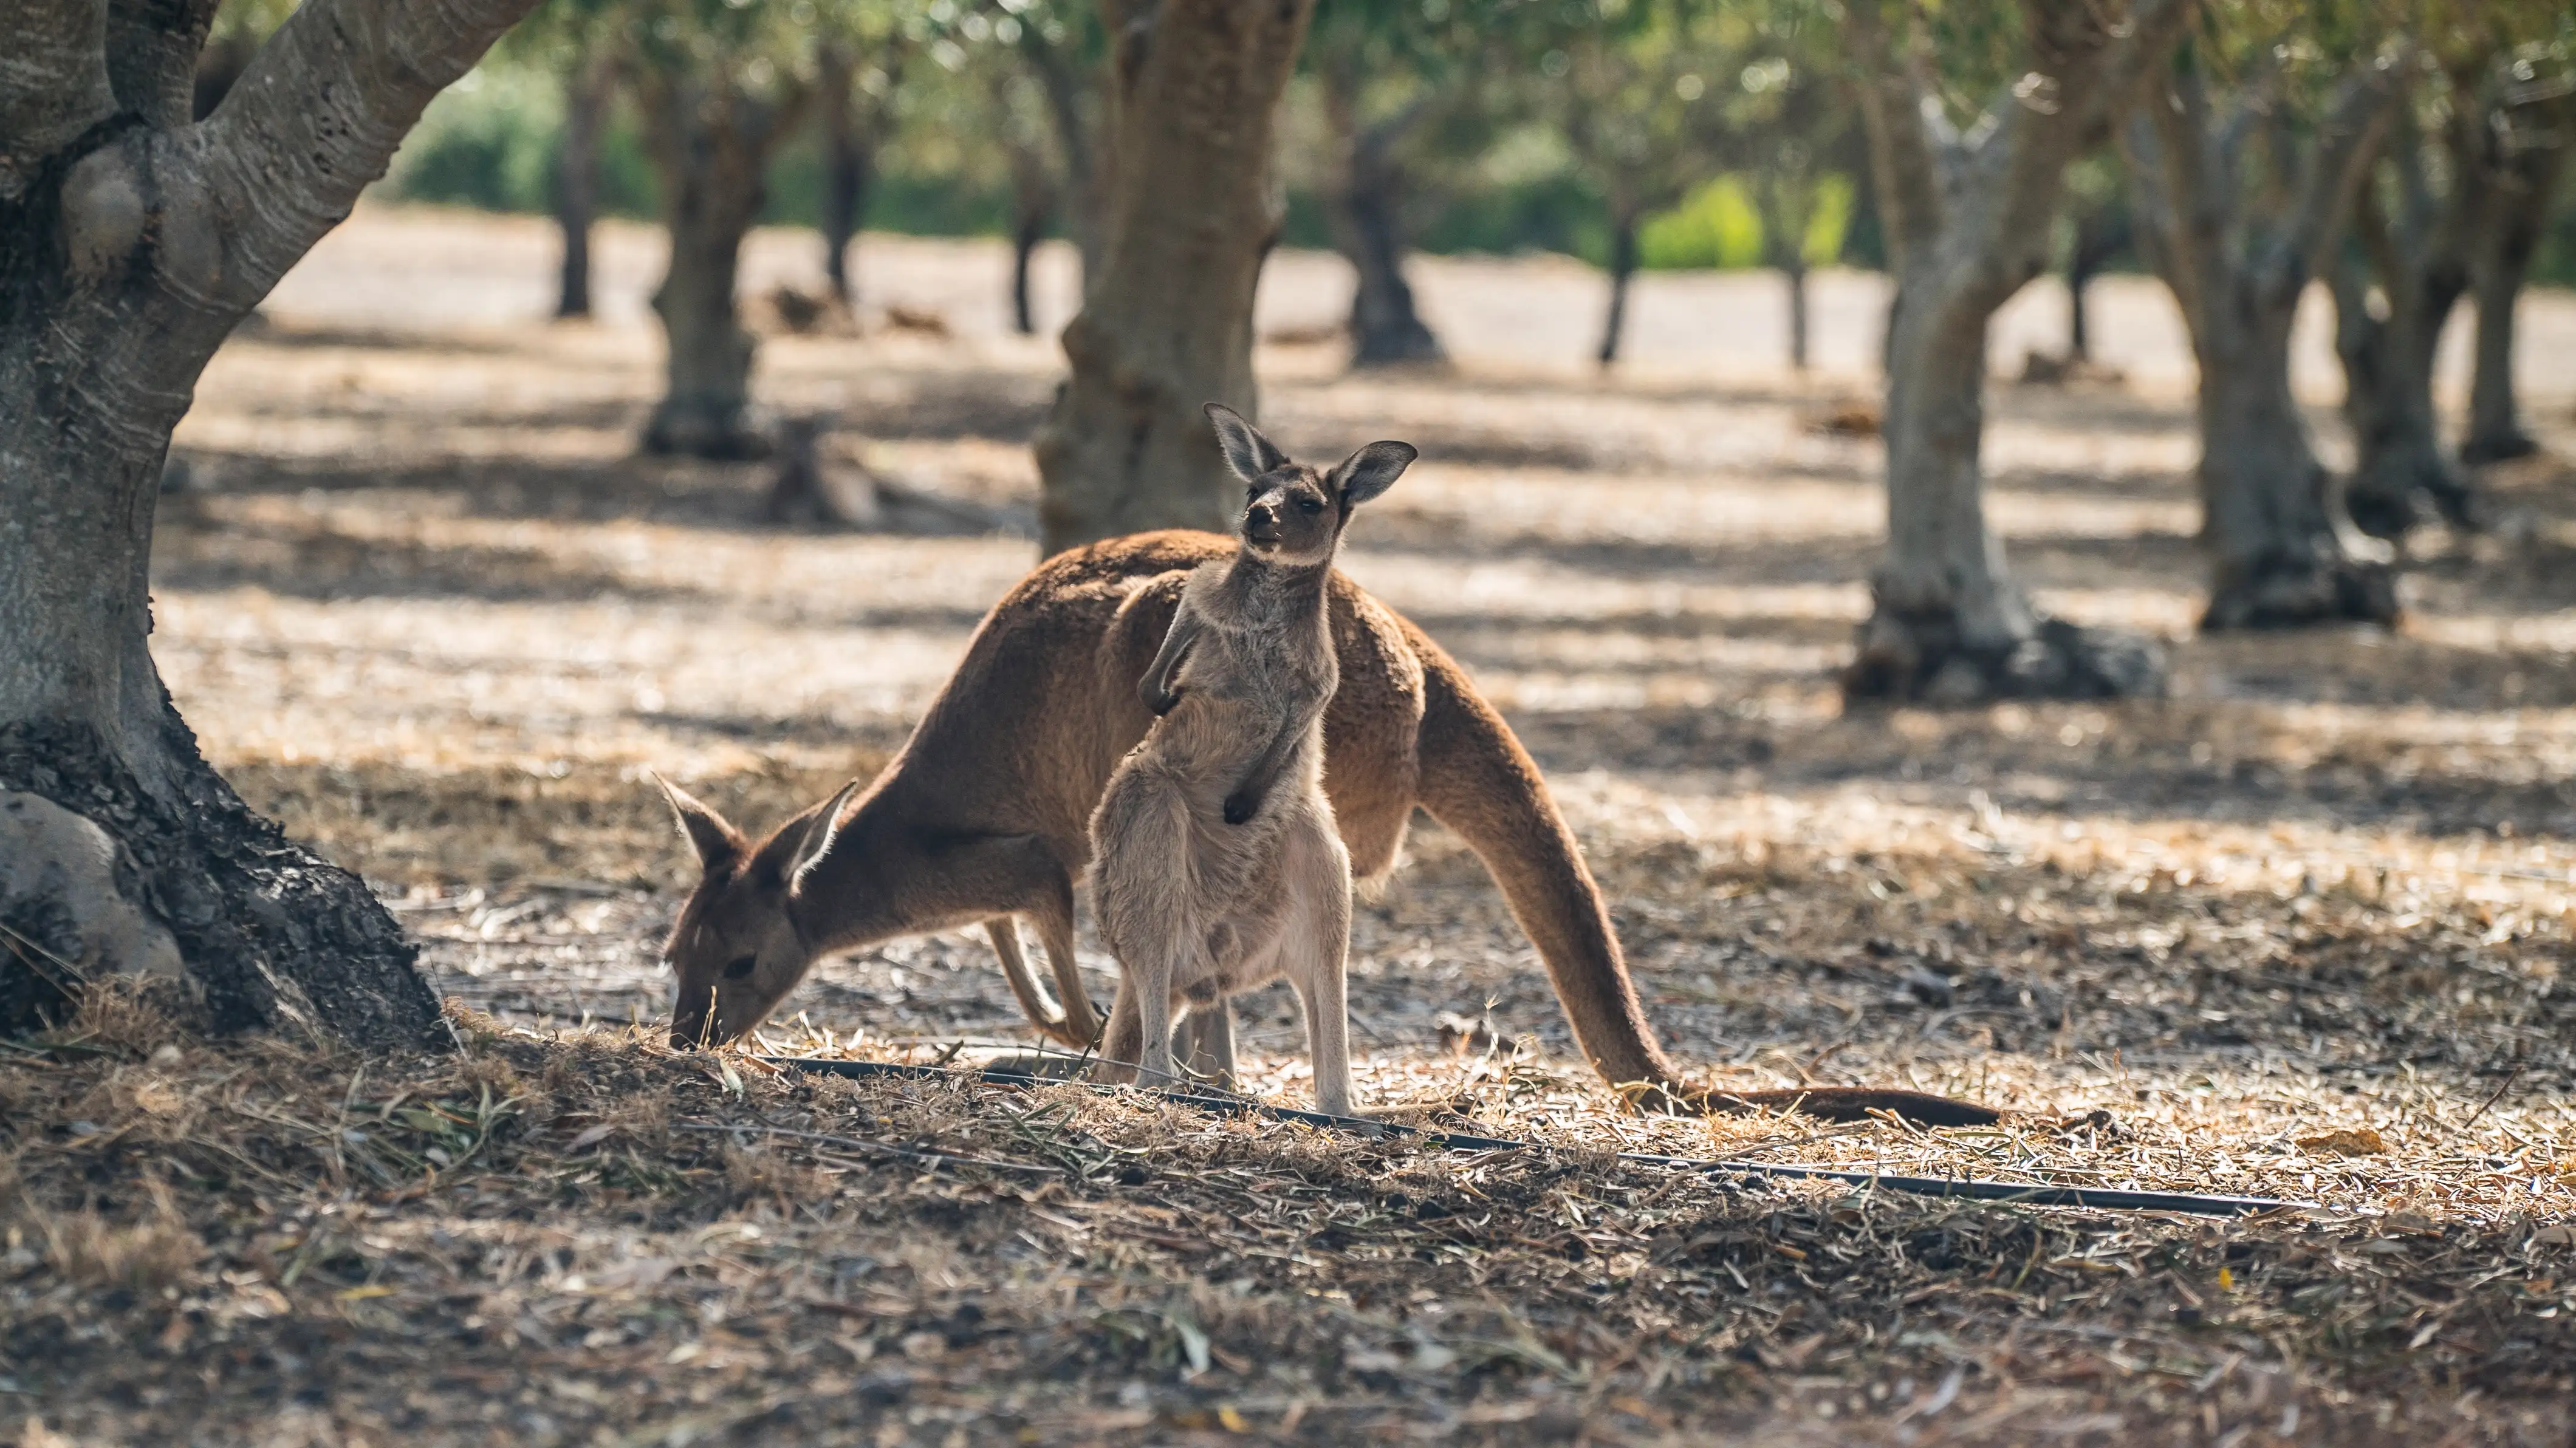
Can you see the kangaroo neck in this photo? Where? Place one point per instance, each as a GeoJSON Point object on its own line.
{"type": "Point", "coordinates": [1256, 590]}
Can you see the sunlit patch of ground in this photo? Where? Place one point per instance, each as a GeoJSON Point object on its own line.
{"type": "Point", "coordinates": [433, 614]}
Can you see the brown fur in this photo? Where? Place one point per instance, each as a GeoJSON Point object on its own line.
{"type": "Point", "coordinates": [985, 814]}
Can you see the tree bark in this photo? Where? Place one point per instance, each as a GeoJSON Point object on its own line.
{"type": "Point", "coordinates": [1623, 267]}
{"type": "Point", "coordinates": [849, 165]}
{"type": "Point", "coordinates": [1076, 114]}
{"type": "Point", "coordinates": [1967, 219]}
{"type": "Point", "coordinates": [711, 141]}
{"type": "Point", "coordinates": [1167, 324]}
{"type": "Point", "coordinates": [1026, 233]}
{"type": "Point", "coordinates": [2499, 262]}
{"type": "Point", "coordinates": [2100, 234]}
{"type": "Point", "coordinates": [1367, 206]}
{"type": "Point", "coordinates": [588, 90]}
{"type": "Point", "coordinates": [2283, 553]}
{"type": "Point", "coordinates": [1794, 277]}
{"type": "Point", "coordinates": [2386, 343]}
{"type": "Point", "coordinates": [132, 248]}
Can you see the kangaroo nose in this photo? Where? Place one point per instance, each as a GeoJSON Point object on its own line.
{"type": "Point", "coordinates": [1261, 518]}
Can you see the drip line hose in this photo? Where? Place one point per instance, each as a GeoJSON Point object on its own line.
{"type": "Point", "coordinates": [1968, 1188]}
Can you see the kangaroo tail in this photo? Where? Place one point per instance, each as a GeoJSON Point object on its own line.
{"type": "Point", "coordinates": [1476, 779]}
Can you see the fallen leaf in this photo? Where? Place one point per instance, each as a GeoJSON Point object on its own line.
{"type": "Point", "coordinates": [2352, 1141]}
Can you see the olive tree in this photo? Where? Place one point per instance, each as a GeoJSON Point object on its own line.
{"type": "Point", "coordinates": [2241, 189]}
{"type": "Point", "coordinates": [132, 238]}
{"type": "Point", "coordinates": [1968, 203]}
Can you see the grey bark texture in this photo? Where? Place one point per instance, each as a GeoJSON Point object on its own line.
{"type": "Point", "coordinates": [1166, 326]}
{"type": "Point", "coordinates": [2531, 141]}
{"type": "Point", "coordinates": [1967, 218]}
{"type": "Point", "coordinates": [2448, 219]}
{"type": "Point", "coordinates": [1366, 199]}
{"type": "Point", "coordinates": [2283, 553]}
{"type": "Point", "coordinates": [1623, 270]}
{"type": "Point", "coordinates": [588, 90]}
{"type": "Point", "coordinates": [131, 242]}
{"type": "Point", "coordinates": [711, 138]}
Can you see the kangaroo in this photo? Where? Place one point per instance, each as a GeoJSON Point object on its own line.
{"type": "Point", "coordinates": [983, 818]}
{"type": "Point", "coordinates": [1217, 864]}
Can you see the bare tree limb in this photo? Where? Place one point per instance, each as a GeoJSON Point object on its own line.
{"type": "Point", "coordinates": [2336, 167]}
{"type": "Point", "coordinates": [318, 115]}
{"type": "Point", "coordinates": [152, 48]}
{"type": "Point", "coordinates": [53, 82]}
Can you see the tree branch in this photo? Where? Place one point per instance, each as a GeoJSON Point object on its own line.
{"type": "Point", "coordinates": [53, 82]}
{"type": "Point", "coordinates": [2337, 165]}
{"type": "Point", "coordinates": [318, 114]}
{"type": "Point", "coordinates": [152, 49]}
{"type": "Point", "coordinates": [1893, 107]}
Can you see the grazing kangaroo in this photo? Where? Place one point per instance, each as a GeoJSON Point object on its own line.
{"type": "Point", "coordinates": [984, 816]}
{"type": "Point", "coordinates": [1217, 864]}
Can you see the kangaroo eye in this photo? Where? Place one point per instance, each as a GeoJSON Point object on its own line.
{"type": "Point", "coordinates": [1310, 505]}
{"type": "Point", "coordinates": [736, 970]}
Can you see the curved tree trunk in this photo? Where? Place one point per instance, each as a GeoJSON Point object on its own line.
{"type": "Point", "coordinates": [1367, 207]}
{"type": "Point", "coordinates": [1623, 268]}
{"type": "Point", "coordinates": [2387, 354]}
{"type": "Point", "coordinates": [587, 91]}
{"type": "Point", "coordinates": [1967, 216]}
{"type": "Point", "coordinates": [2283, 552]}
{"type": "Point", "coordinates": [711, 145]}
{"type": "Point", "coordinates": [1075, 114]}
{"type": "Point", "coordinates": [1167, 323]}
{"type": "Point", "coordinates": [134, 242]}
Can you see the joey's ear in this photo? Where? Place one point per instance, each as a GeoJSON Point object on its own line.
{"type": "Point", "coordinates": [716, 843]}
{"type": "Point", "coordinates": [1371, 471]}
{"type": "Point", "coordinates": [820, 836]}
{"type": "Point", "coordinates": [1246, 450]}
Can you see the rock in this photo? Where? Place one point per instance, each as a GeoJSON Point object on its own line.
{"type": "Point", "coordinates": [60, 893]}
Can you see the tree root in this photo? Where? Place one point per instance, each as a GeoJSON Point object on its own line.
{"type": "Point", "coordinates": [2282, 593]}
{"type": "Point", "coordinates": [1918, 659]}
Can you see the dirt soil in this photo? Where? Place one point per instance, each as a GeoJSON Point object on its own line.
{"type": "Point", "coordinates": [2300, 930]}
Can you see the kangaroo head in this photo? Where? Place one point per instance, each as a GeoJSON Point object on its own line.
{"type": "Point", "coordinates": [735, 951]}
{"type": "Point", "coordinates": [1293, 513]}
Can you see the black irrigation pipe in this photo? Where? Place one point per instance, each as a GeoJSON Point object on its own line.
{"type": "Point", "coordinates": [1969, 1188]}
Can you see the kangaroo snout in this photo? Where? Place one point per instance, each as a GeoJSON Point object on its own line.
{"type": "Point", "coordinates": [1261, 523]}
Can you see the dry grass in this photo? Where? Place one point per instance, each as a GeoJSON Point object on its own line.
{"type": "Point", "coordinates": [436, 618]}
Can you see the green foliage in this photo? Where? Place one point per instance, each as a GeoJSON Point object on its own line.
{"type": "Point", "coordinates": [1718, 228]}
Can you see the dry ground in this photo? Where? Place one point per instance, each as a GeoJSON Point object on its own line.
{"type": "Point", "coordinates": [434, 614]}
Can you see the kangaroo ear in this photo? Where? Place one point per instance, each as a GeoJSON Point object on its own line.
{"type": "Point", "coordinates": [820, 836]}
{"type": "Point", "coordinates": [716, 843]}
{"type": "Point", "coordinates": [1371, 471]}
{"type": "Point", "coordinates": [1246, 450]}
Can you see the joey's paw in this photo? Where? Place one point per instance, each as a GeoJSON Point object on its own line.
{"type": "Point", "coordinates": [1240, 807]}
{"type": "Point", "coordinates": [1163, 704]}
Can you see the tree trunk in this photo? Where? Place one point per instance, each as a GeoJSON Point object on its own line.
{"type": "Point", "coordinates": [1073, 110]}
{"type": "Point", "coordinates": [1949, 625]}
{"type": "Point", "coordinates": [1623, 266]}
{"type": "Point", "coordinates": [587, 92]}
{"type": "Point", "coordinates": [1025, 237]}
{"type": "Point", "coordinates": [2283, 553]}
{"type": "Point", "coordinates": [1367, 204]}
{"type": "Point", "coordinates": [2387, 353]}
{"type": "Point", "coordinates": [1794, 276]}
{"type": "Point", "coordinates": [1167, 324]}
{"type": "Point", "coordinates": [710, 146]}
{"type": "Point", "coordinates": [2100, 234]}
{"type": "Point", "coordinates": [1967, 214]}
{"type": "Point", "coordinates": [2498, 265]}
{"type": "Point", "coordinates": [134, 242]}
{"type": "Point", "coordinates": [849, 168]}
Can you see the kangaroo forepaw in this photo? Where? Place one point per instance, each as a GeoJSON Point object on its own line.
{"type": "Point", "coordinates": [1240, 808]}
{"type": "Point", "coordinates": [1163, 704]}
